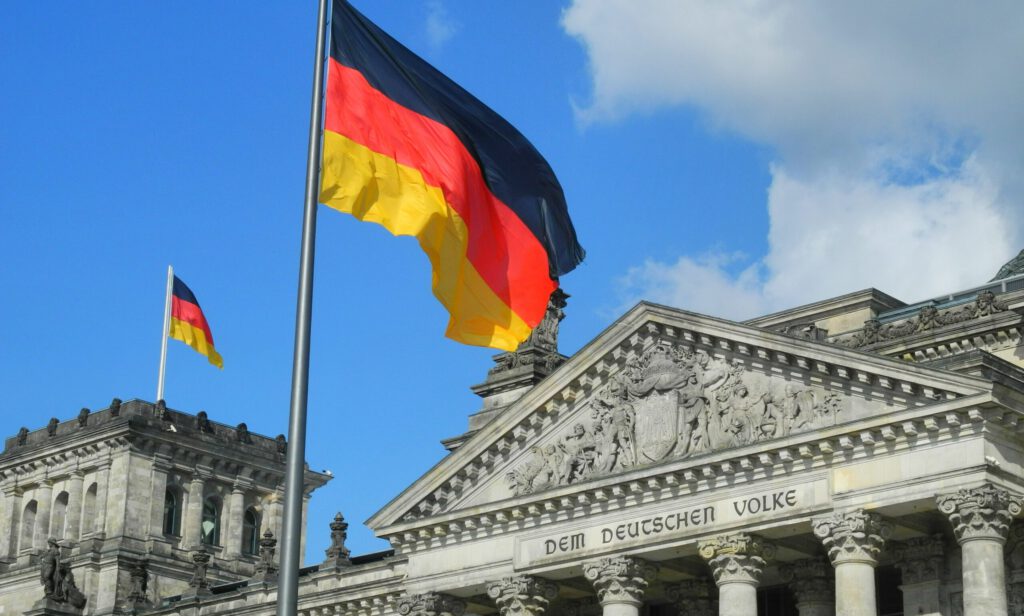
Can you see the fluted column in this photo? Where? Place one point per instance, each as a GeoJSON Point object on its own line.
{"type": "Point", "coordinates": [73, 519]}
{"type": "Point", "coordinates": [191, 534]}
{"type": "Point", "coordinates": [693, 597]}
{"type": "Point", "coordinates": [522, 595]}
{"type": "Point", "coordinates": [234, 518]}
{"type": "Point", "coordinates": [853, 541]}
{"type": "Point", "coordinates": [620, 582]}
{"type": "Point", "coordinates": [44, 502]}
{"type": "Point", "coordinates": [981, 519]}
{"type": "Point", "coordinates": [921, 562]}
{"type": "Point", "coordinates": [737, 562]}
{"type": "Point", "coordinates": [811, 582]}
{"type": "Point", "coordinates": [431, 604]}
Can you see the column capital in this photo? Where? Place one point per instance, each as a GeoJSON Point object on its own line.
{"type": "Point", "coordinates": [620, 579]}
{"type": "Point", "coordinates": [736, 558]}
{"type": "Point", "coordinates": [854, 536]}
{"type": "Point", "coordinates": [693, 597]}
{"type": "Point", "coordinates": [524, 595]}
{"type": "Point", "coordinates": [431, 604]}
{"type": "Point", "coordinates": [77, 474]}
{"type": "Point", "coordinates": [984, 512]}
{"type": "Point", "coordinates": [920, 559]}
{"type": "Point", "coordinates": [810, 580]}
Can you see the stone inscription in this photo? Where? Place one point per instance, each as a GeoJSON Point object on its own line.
{"type": "Point", "coordinates": [677, 522]}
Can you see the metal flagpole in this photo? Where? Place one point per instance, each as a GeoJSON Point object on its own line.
{"type": "Point", "coordinates": [167, 330]}
{"type": "Point", "coordinates": [291, 540]}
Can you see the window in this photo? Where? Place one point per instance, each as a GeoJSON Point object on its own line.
{"type": "Point", "coordinates": [210, 530]}
{"type": "Point", "coordinates": [172, 512]}
{"type": "Point", "coordinates": [251, 532]}
{"type": "Point", "coordinates": [28, 525]}
{"type": "Point", "coordinates": [90, 523]}
{"type": "Point", "coordinates": [58, 516]}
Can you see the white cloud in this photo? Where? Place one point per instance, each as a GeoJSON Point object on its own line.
{"type": "Point", "coordinates": [896, 126]}
{"type": "Point", "coordinates": [440, 26]}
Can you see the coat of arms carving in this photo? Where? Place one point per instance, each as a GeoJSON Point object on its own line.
{"type": "Point", "coordinates": [671, 402]}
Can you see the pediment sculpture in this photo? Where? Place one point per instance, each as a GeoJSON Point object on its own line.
{"type": "Point", "coordinates": [671, 403]}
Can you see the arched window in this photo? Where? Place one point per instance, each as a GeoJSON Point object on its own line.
{"type": "Point", "coordinates": [210, 531]}
{"type": "Point", "coordinates": [58, 516]}
{"type": "Point", "coordinates": [28, 525]}
{"type": "Point", "coordinates": [251, 532]}
{"type": "Point", "coordinates": [89, 522]}
{"type": "Point", "coordinates": [172, 512]}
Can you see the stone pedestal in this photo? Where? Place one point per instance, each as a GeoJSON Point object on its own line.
{"type": "Point", "coordinates": [853, 541]}
{"type": "Point", "coordinates": [737, 563]}
{"type": "Point", "coordinates": [620, 583]}
{"type": "Point", "coordinates": [921, 562]}
{"type": "Point", "coordinates": [811, 582]}
{"type": "Point", "coordinates": [49, 607]}
{"type": "Point", "coordinates": [522, 595]}
{"type": "Point", "coordinates": [981, 519]}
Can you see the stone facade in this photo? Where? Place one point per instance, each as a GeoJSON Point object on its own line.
{"type": "Point", "coordinates": [856, 456]}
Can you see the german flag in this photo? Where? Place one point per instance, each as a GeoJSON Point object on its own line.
{"type": "Point", "coordinates": [409, 149]}
{"type": "Point", "coordinates": [189, 325]}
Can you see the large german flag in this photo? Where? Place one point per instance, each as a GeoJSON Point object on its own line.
{"type": "Point", "coordinates": [407, 148]}
{"type": "Point", "coordinates": [188, 323]}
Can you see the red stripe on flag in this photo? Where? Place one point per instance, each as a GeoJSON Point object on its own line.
{"type": "Point", "coordinates": [505, 253]}
{"type": "Point", "coordinates": [191, 314]}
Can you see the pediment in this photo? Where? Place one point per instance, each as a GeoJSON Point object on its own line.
{"type": "Point", "coordinates": [659, 386]}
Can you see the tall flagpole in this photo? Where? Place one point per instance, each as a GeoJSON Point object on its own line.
{"type": "Point", "coordinates": [163, 341]}
{"type": "Point", "coordinates": [291, 538]}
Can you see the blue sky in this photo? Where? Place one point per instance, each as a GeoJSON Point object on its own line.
{"type": "Point", "coordinates": [726, 159]}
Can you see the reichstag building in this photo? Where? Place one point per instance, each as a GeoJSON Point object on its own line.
{"type": "Point", "coordinates": [856, 456]}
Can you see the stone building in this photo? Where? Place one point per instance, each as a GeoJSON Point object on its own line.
{"type": "Point", "coordinates": [855, 456]}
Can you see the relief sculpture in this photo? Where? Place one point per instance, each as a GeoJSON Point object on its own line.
{"type": "Point", "coordinates": [671, 403]}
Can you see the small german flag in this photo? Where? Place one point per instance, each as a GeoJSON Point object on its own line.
{"type": "Point", "coordinates": [189, 325]}
{"type": "Point", "coordinates": [407, 148]}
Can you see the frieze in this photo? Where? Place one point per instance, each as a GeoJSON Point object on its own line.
{"type": "Point", "coordinates": [926, 319]}
{"type": "Point", "coordinates": [672, 403]}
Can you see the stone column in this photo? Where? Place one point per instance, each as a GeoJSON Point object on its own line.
{"type": "Point", "coordinates": [191, 533]}
{"type": "Point", "coordinates": [102, 483]}
{"type": "Point", "coordinates": [812, 585]}
{"type": "Point", "coordinates": [737, 563]}
{"type": "Point", "coordinates": [981, 518]}
{"type": "Point", "coordinates": [302, 536]}
{"type": "Point", "coordinates": [73, 520]}
{"type": "Point", "coordinates": [431, 604]}
{"type": "Point", "coordinates": [158, 485]}
{"type": "Point", "coordinates": [235, 513]}
{"type": "Point", "coordinates": [693, 597]}
{"type": "Point", "coordinates": [620, 582]}
{"type": "Point", "coordinates": [10, 523]}
{"type": "Point", "coordinates": [853, 541]}
{"type": "Point", "coordinates": [44, 502]}
{"type": "Point", "coordinates": [922, 563]}
{"type": "Point", "coordinates": [522, 595]}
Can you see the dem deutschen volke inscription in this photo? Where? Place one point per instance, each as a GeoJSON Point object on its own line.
{"type": "Point", "coordinates": [696, 518]}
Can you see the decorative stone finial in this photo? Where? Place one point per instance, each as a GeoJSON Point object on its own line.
{"type": "Point", "coordinates": [856, 536]}
{"type": "Point", "coordinates": [266, 569]}
{"type": "Point", "coordinates": [736, 558]}
{"type": "Point", "coordinates": [522, 595]}
{"type": "Point", "coordinates": [115, 407]}
{"type": "Point", "coordinates": [198, 584]}
{"type": "Point", "coordinates": [83, 417]}
{"type": "Point", "coordinates": [22, 436]}
{"type": "Point", "coordinates": [620, 579]}
{"type": "Point", "coordinates": [51, 427]}
{"type": "Point", "coordinates": [980, 513]}
{"type": "Point", "coordinates": [282, 444]}
{"type": "Point", "coordinates": [541, 348]}
{"type": "Point", "coordinates": [203, 422]}
{"type": "Point", "coordinates": [431, 604]}
{"type": "Point", "coordinates": [242, 432]}
{"type": "Point", "coordinates": [337, 553]}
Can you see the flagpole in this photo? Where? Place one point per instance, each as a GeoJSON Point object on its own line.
{"type": "Point", "coordinates": [163, 341]}
{"type": "Point", "coordinates": [291, 537]}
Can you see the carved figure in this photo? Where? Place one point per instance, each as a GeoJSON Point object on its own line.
{"type": "Point", "coordinates": [242, 432]}
{"type": "Point", "coordinates": [115, 407]}
{"type": "Point", "coordinates": [282, 444]}
{"type": "Point", "coordinates": [51, 426]}
{"type": "Point", "coordinates": [203, 422]}
{"type": "Point", "coordinates": [83, 418]}
{"type": "Point", "coordinates": [579, 454]}
{"type": "Point", "coordinates": [22, 436]}
{"type": "Point", "coordinates": [50, 572]}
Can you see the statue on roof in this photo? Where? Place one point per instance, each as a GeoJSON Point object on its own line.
{"type": "Point", "coordinates": [1012, 267]}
